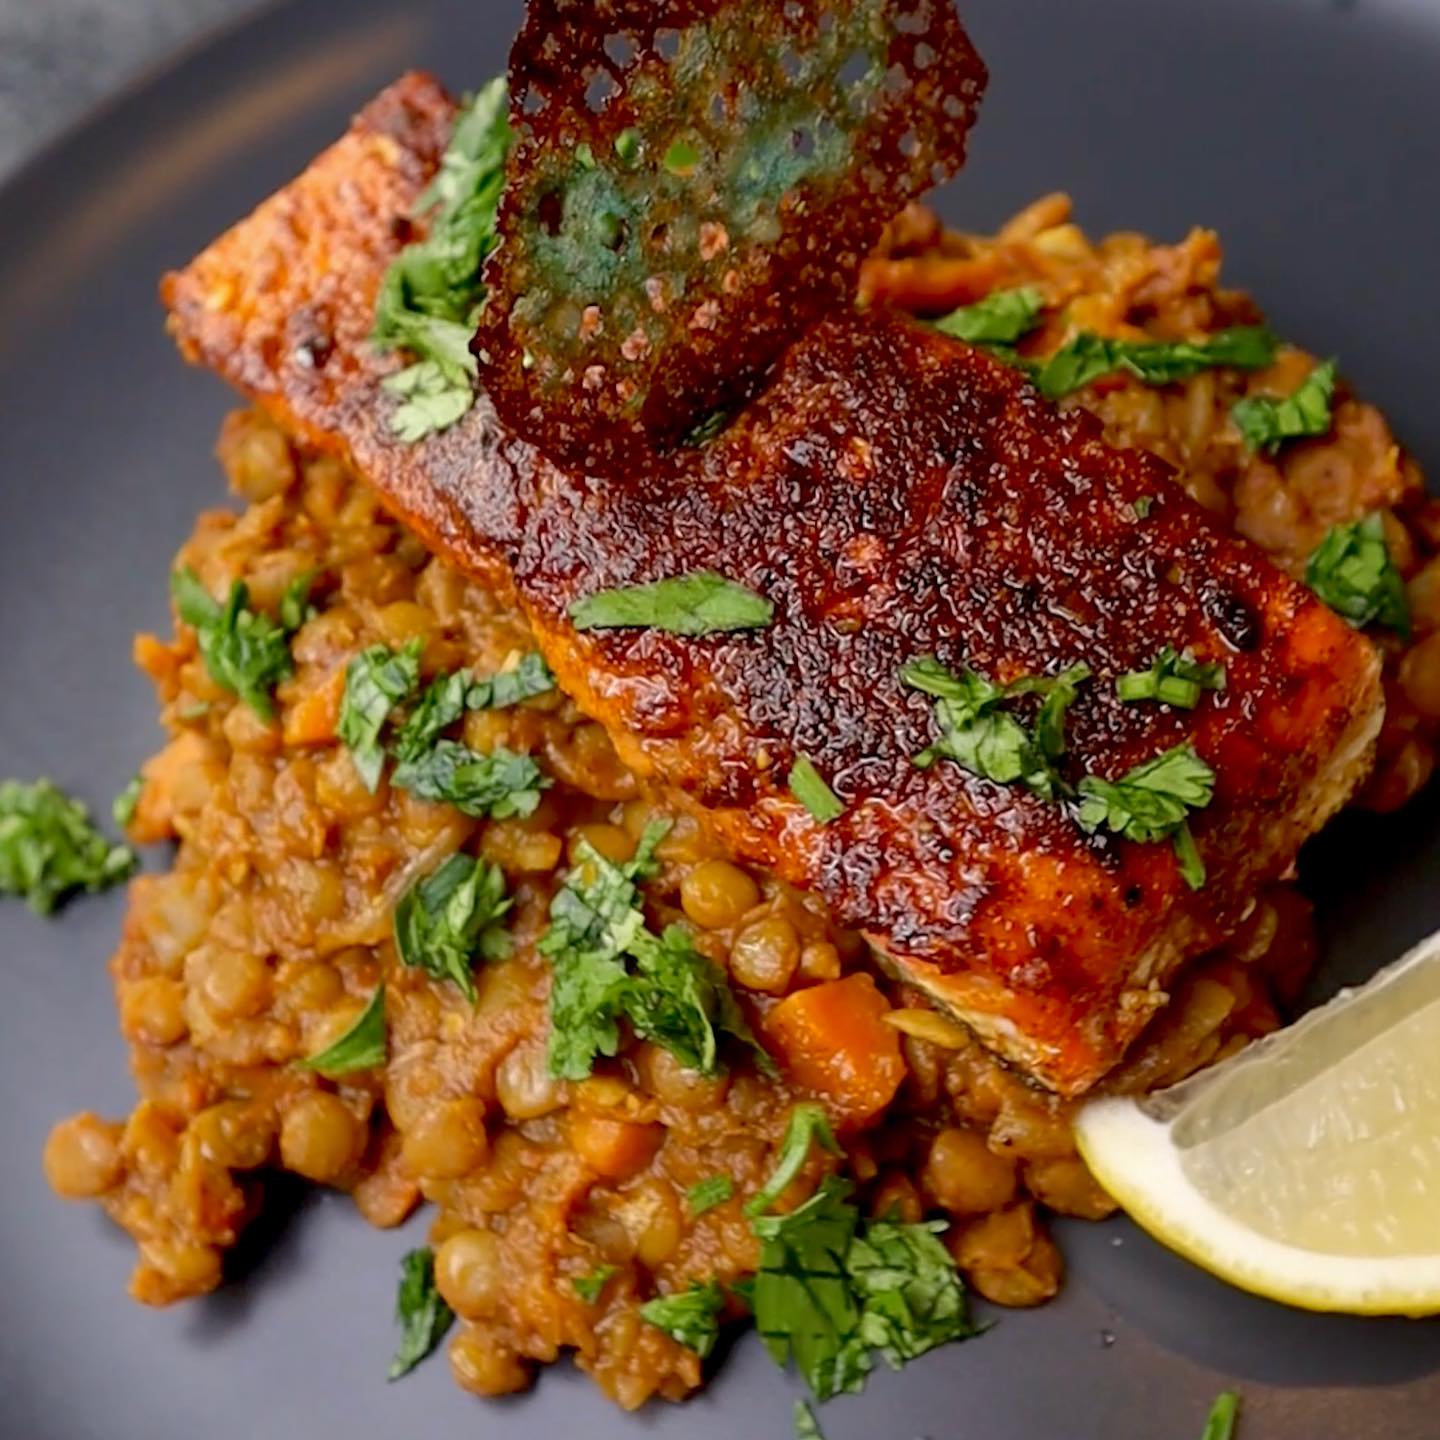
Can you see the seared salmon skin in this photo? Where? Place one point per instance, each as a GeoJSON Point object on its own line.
{"type": "Point", "coordinates": [895, 495]}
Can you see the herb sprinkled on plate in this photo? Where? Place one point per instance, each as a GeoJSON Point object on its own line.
{"type": "Point", "coordinates": [1001, 318]}
{"type": "Point", "coordinates": [808, 786]}
{"type": "Point", "coordinates": [834, 1290]}
{"type": "Point", "coordinates": [122, 808]}
{"type": "Point", "coordinates": [376, 681]}
{"type": "Point", "coordinates": [379, 681]}
{"type": "Point", "coordinates": [708, 1193]}
{"type": "Point", "coordinates": [701, 603]}
{"type": "Point", "coordinates": [1090, 357]}
{"type": "Point", "coordinates": [982, 736]}
{"type": "Point", "coordinates": [609, 967]}
{"type": "Point", "coordinates": [361, 1047]}
{"type": "Point", "coordinates": [589, 1286]}
{"type": "Point", "coordinates": [1174, 678]}
{"type": "Point", "coordinates": [500, 784]}
{"type": "Point", "coordinates": [244, 651]}
{"type": "Point", "coordinates": [1223, 1416]}
{"type": "Point", "coordinates": [1152, 802]}
{"type": "Point", "coordinates": [1266, 423]}
{"type": "Point", "coordinates": [433, 290]}
{"type": "Point", "coordinates": [453, 915]}
{"type": "Point", "coordinates": [691, 1317]}
{"type": "Point", "coordinates": [423, 1316]}
{"type": "Point", "coordinates": [807, 1427]}
{"type": "Point", "coordinates": [1353, 572]}
{"type": "Point", "coordinates": [49, 848]}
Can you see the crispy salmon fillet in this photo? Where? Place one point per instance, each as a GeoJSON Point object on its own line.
{"type": "Point", "coordinates": [895, 494]}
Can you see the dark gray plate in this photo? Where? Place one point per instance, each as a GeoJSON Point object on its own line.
{"type": "Point", "coordinates": [1304, 129]}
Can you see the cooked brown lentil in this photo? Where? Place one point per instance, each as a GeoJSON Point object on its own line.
{"type": "Point", "coordinates": [272, 929]}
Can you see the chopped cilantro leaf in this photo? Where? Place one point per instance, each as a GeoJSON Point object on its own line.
{"type": "Point", "coordinates": [443, 921]}
{"type": "Point", "coordinates": [807, 1427]}
{"type": "Point", "coordinates": [701, 603]}
{"type": "Point", "coordinates": [981, 737]}
{"type": "Point", "coordinates": [295, 607]}
{"type": "Point", "coordinates": [1149, 801]}
{"type": "Point", "coordinates": [1057, 694]}
{"type": "Point", "coordinates": [477, 150]}
{"type": "Point", "coordinates": [691, 1317]}
{"type": "Point", "coordinates": [432, 398]}
{"type": "Point", "coordinates": [361, 1047]}
{"type": "Point", "coordinates": [681, 157]}
{"type": "Point", "coordinates": [1002, 317]}
{"type": "Point", "coordinates": [1174, 678]}
{"type": "Point", "coordinates": [245, 652]}
{"type": "Point", "coordinates": [501, 784]}
{"type": "Point", "coordinates": [49, 848]}
{"type": "Point", "coordinates": [593, 919]}
{"type": "Point", "coordinates": [679, 999]}
{"type": "Point", "coordinates": [123, 806]}
{"type": "Point", "coordinates": [440, 705]}
{"type": "Point", "coordinates": [449, 696]}
{"type": "Point", "coordinates": [1266, 423]}
{"type": "Point", "coordinates": [1223, 1414]}
{"type": "Point", "coordinates": [1088, 357]}
{"type": "Point", "coordinates": [708, 1193]}
{"type": "Point", "coordinates": [975, 732]}
{"type": "Point", "coordinates": [715, 423]}
{"type": "Point", "coordinates": [805, 1306]}
{"type": "Point", "coordinates": [422, 1315]}
{"type": "Point", "coordinates": [376, 680]}
{"type": "Point", "coordinates": [673, 995]}
{"type": "Point", "coordinates": [1353, 573]}
{"type": "Point", "coordinates": [1153, 802]}
{"type": "Point", "coordinates": [379, 679]}
{"type": "Point", "coordinates": [808, 786]}
{"type": "Point", "coordinates": [911, 1300]}
{"type": "Point", "coordinates": [1187, 855]}
{"type": "Point", "coordinates": [1084, 359]}
{"type": "Point", "coordinates": [831, 1291]}
{"type": "Point", "coordinates": [585, 996]}
{"type": "Point", "coordinates": [528, 677]}
{"type": "Point", "coordinates": [589, 1287]}
{"type": "Point", "coordinates": [627, 145]}
{"type": "Point", "coordinates": [807, 1127]}
{"type": "Point", "coordinates": [598, 907]}
{"type": "Point", "coordinates": [433, 290]}
{"type": "Point", "coordinates": [1143, 506]}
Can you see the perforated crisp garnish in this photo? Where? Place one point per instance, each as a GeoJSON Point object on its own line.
{"type": "Point", "coordinates": [694, 182]}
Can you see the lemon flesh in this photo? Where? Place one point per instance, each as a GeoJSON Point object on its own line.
{"type": "Point", "coordinates": [1307, 1168]}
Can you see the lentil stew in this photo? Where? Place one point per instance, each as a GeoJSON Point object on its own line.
{"type": "Point", "coordinates": [267, 939]}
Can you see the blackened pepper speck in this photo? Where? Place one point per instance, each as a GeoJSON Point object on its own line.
{"type": "Point", "coordinates": [312, 354]}
{"type": "Point", "coordinates": [1234, 618]}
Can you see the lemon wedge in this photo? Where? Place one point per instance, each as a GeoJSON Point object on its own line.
{"type": "Point", "coordinates": [1306, 1168]}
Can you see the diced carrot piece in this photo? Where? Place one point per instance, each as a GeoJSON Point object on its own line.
{"type": "Point", "coordinates": [931, 283]}
{"type": "Point", "coordinates": [616, 1148]}
{"type": "Point", "coordinates": [154, 819]}
{"type": "Point", "coordinates": [153, 657]}
{"type": "Point", "coordinates": [312, 719]}
{"type": "Point", "coordinates": [833, 1040]}
{"type": "Point", "coordinates": [186, 768]}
